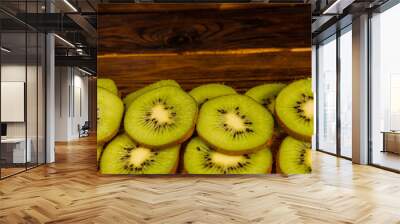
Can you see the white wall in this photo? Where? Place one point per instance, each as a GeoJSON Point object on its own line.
{"type": "Point", "coordinates": [62, 80]}
{"type": "Point", "coordinates": [33, 127]}
{"type": "Point", "coordinates": [13, 73]}
{"type": "Point", "coordinates": [70, 83]}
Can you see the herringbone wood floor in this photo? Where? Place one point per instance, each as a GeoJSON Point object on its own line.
{"type": "Point", "coordinates": [70, 191]}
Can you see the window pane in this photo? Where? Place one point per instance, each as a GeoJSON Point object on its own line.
{"type": "Point", "coordinates": [327, 96]}
{"type": "Point", "coordinates": [31, 97]}
{"type": "Point", "coordinates": [41, 98]}
{"type": "Point", "coordinates": [14, 153]}
{"type": "Point", "coordinates": [346, 94]}
{"type": "Point", "coordinates": [385, 88]}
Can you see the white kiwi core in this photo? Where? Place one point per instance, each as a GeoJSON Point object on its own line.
{"type": "Point", "coordinates": [159, 113]}
{"type": "Point", "coordinates": [308, 108]}
{"type": "Point", "coordinates": [139, 155]}
{"type": "Point", "coordinates": [235, 121]}
{"type": "Point", "coordinates": [225, 160]}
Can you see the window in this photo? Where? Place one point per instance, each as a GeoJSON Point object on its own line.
{"type": "Point", "coordinates": [346, 92]}
{"type": "Point", "coordinates": [385, 89]}
{"type": "Point", "coordinates": [334, 106]}
{"type": "Point", "coordinates": [22, 78]}
{"type": "Point", "coordinates": [327, 96]}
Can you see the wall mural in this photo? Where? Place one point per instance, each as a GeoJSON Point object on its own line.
{"type": "Point", "coordinates": [204, 89]}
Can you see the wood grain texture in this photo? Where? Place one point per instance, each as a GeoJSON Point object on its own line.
{"type": "Point", "coordinates": [70, 191]}
{"type": "Point", "coordinates": [241, 45]}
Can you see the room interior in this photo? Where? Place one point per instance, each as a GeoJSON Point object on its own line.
{"type": "Point", "coordinates": [48, 170]}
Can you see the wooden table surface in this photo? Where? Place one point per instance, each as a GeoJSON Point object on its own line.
{"type": "Point", "coordinates": [242, 45]}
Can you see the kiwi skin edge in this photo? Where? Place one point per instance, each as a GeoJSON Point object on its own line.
{"type": "Point", "coordinates": [184, 172]}
{"type": "Point", "coordinates": [291, 133]}
{"type": "Point", "coordinates": [277, 167]}
{"type": "Point", "coordinates": [237, 153]}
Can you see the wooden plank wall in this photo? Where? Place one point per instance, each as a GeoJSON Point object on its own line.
{"type": "Point", "coordinates": [241, 45]}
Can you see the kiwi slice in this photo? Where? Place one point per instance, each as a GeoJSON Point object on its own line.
{"type": "Point", "coordinates": [108, 84]}
{"type": "Point", "coordinates": [295, 109]}
{"type": "Point", "coordinates": [266, 94]}
{"type": "Point", "coordinates": [206, 92]}
{"type": "Point", "coordinates": [123, 156]}
{"type": "Point", "coordinates": [199, 158]}
{"type": "Point", "coordinates": [161, 117]}
{"type": "Point", "coordinates": [109, 115]}
{"type": "Point", "coordinates": [294, 156]}
{"type": "Point", "coordinates": [235, 124]}
{"type": "Point", "coordinates": [132, 96]}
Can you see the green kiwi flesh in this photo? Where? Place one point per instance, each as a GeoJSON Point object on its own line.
{"type": "Point", "coordinates": [266, 94]}
{"type": "Point", "coordinates": [108, 84]}
{"type": "Point", "coordinates": [294, 156]}
{"type": "Point", "coordinates": [161, 117]}
{"type": "Point", "coordinates": [132, 96]}
{"type": "Point", "coordinates": [209, 91]}
{"type": "Point", "coordinates": [295, 109]}
{"type": "Point", "coordinates": [199, 158]}
{"type": "Point", "coordinates": [123, 156]}
{"type": "Point", "coordinates": [235, 124]}
{"type": "Point", "coordinates": [110, 110]}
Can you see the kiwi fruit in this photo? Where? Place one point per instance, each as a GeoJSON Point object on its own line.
{"type": "Point", "coordinates": [161, 117]}
{"type": "Point", "coordinates": [206, 92]}
{"type": "Point", "coordinates": [199, 158]}
{"type": "Point", "coordinates": [266, 94]}
{"type": "Point", "coordinates": [124, 156]}
{"type": "Point", "coordinates": [235, 124]}
{"type": "Point", "coordinates": [294, 157]}
{"type": "Point", "coordinates": [294, 109]}
{"type": "Point", "coordinates": [110, 110]}
{"type": "Point", "coordinates": [108, 84]}
{"type": "Point", "coordinates": [132, 96]}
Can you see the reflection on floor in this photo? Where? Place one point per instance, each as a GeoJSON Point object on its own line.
{"type": "Point", "coordinates": [71, 191]}
{"type": "Point", "coordinates": [387, 159]}
{"type": "Point", "coordinates": [10, 171]}
{"type": "Point", "coordinates": [13, 169]}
